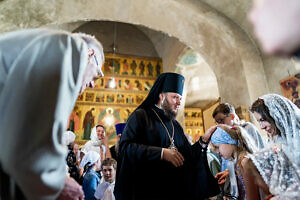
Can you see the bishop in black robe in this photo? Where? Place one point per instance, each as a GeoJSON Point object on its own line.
{"type": "Point", "coordinates": [142, 173]}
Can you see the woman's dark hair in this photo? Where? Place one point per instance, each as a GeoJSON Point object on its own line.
{"type": "Point", "coordinates": [100, 126]}
{"type": "Point", "coordinates": [260, 107]}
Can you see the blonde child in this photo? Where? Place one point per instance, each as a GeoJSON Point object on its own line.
{"type": "Point", "coordinates": [232, 143]}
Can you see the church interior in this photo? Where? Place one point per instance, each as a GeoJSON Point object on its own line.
{"type": "Point", "coordinates": [209, 42]}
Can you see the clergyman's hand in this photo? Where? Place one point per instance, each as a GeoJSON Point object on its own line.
{"type": "Point", "coordinates": [71, 191]}
{"type": "Point", "coordinates": [207, 135]}
{"type": "Point", "coordinates": [173, 157]}
{"type": "Point", "coordinates": [222, 176]}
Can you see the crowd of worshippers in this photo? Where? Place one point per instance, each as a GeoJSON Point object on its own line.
{"type": "Point", "coordinates": [230, 161]}
{"type": "Point", "coordinates": [245, 164]}
{"type": "Point", "coordinates": [94, 164]}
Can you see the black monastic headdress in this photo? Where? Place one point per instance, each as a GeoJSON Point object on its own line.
{"type": "Point", "coordinates": [166, 82]}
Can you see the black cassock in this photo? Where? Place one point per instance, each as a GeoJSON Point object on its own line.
{"type": "Point", "coordinates": [142, 174]}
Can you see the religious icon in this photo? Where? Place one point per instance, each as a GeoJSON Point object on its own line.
{"type": "Point", "coordinates": [142, 68]}
{"type": "Point", "coordinates": [125, 67]}
{"type": "Point", "coordinates": [127, 85]}
{"type": "Point", "coordinates": [100, 98]}
{"type": "Point", "coordinates": [106, 66]}
{"type": "Point", "coordinates": [110, 98]}
{"type": "Point", "coordinates": [116, 66]}
{"type": "Point", "coordinates": [150, 69]}
{"type": "Point", "coordinates": [74, 120]}
{"type": "Point", "coordinates": [120, 98]}
{"type": "Point", "coordinates": [290, 88]}
{"type": "Point", "coordinates": [129, 99]}
{"type": "Point", "coordinates": [89, 96]}
{"type": "Point", "coordinates": [109, 117]}
{"type": "Point", "coordinates": [138, 86]}
{"type": "Point", "coordinates": [88, 124]}
{"type": "Point", "coordinates": [157, 67]}
{"type": "Point", "coordinates": [133, 66]}
{"type": "Point", "coordinates": [111, 83]}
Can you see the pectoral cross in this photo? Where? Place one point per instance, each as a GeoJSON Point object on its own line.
{"type": "Point", "coordinates": [172, 146]}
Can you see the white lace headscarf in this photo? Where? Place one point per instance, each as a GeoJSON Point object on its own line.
{"type": "Point", "coordinates": [281, 171]}
{"type": "Point", "coordinates": [94, 143]}
{"type": "Point", "coordinates": [94, 136]}
{"type": "Point", "coordinates": [287, 119]}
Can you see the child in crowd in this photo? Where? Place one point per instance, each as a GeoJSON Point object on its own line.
{"type": "Point", "coordinates": [225, 114]}
{"type": "Point", "coordinates": [91, 179]}
{"type": "Point", "coordinates": [105, 190]}
{"type": "Point", "coordinates": [233, 143]}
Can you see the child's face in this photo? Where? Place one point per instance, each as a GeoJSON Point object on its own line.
{"type": "Point", "coordinates": [225, 150]}
{"type": "Point", "coordinates": [109, 173]}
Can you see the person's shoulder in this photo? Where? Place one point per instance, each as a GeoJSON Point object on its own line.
{"type": "Point", "coordinates": [91, 174]}
{"type": "Point", "coordinates": [245, 162]}
{"type": "Point", "coordinates": [176, 123]}
{"type": "Point", "coordinates": [140, 112]}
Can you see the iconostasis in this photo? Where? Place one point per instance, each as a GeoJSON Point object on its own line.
{"type": "Point", "coordinates": [126, 83]}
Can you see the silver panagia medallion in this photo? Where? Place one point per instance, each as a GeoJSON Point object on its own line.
{"type": "Point", "coordinates": [172, 146]}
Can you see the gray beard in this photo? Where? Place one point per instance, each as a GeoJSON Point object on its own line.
{"type": "Point", "coordinates": [169, 113]}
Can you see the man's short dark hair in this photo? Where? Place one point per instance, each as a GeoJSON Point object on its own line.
{"type": "Point", "coordinates": [109, 162]}
{"type": "Point", "coordinates": [224, 108]}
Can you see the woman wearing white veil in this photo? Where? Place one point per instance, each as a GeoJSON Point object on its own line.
{"type": "Point", "coordinates": [98, 142]}
{"type": "Point", "coordinates": [279, 166]}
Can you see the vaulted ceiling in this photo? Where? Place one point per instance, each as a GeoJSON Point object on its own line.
{"type": "Point", "coordinates": [209, 41]}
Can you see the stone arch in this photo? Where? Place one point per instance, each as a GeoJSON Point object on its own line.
{"type": "Point", "coordinates": [106, 31]}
